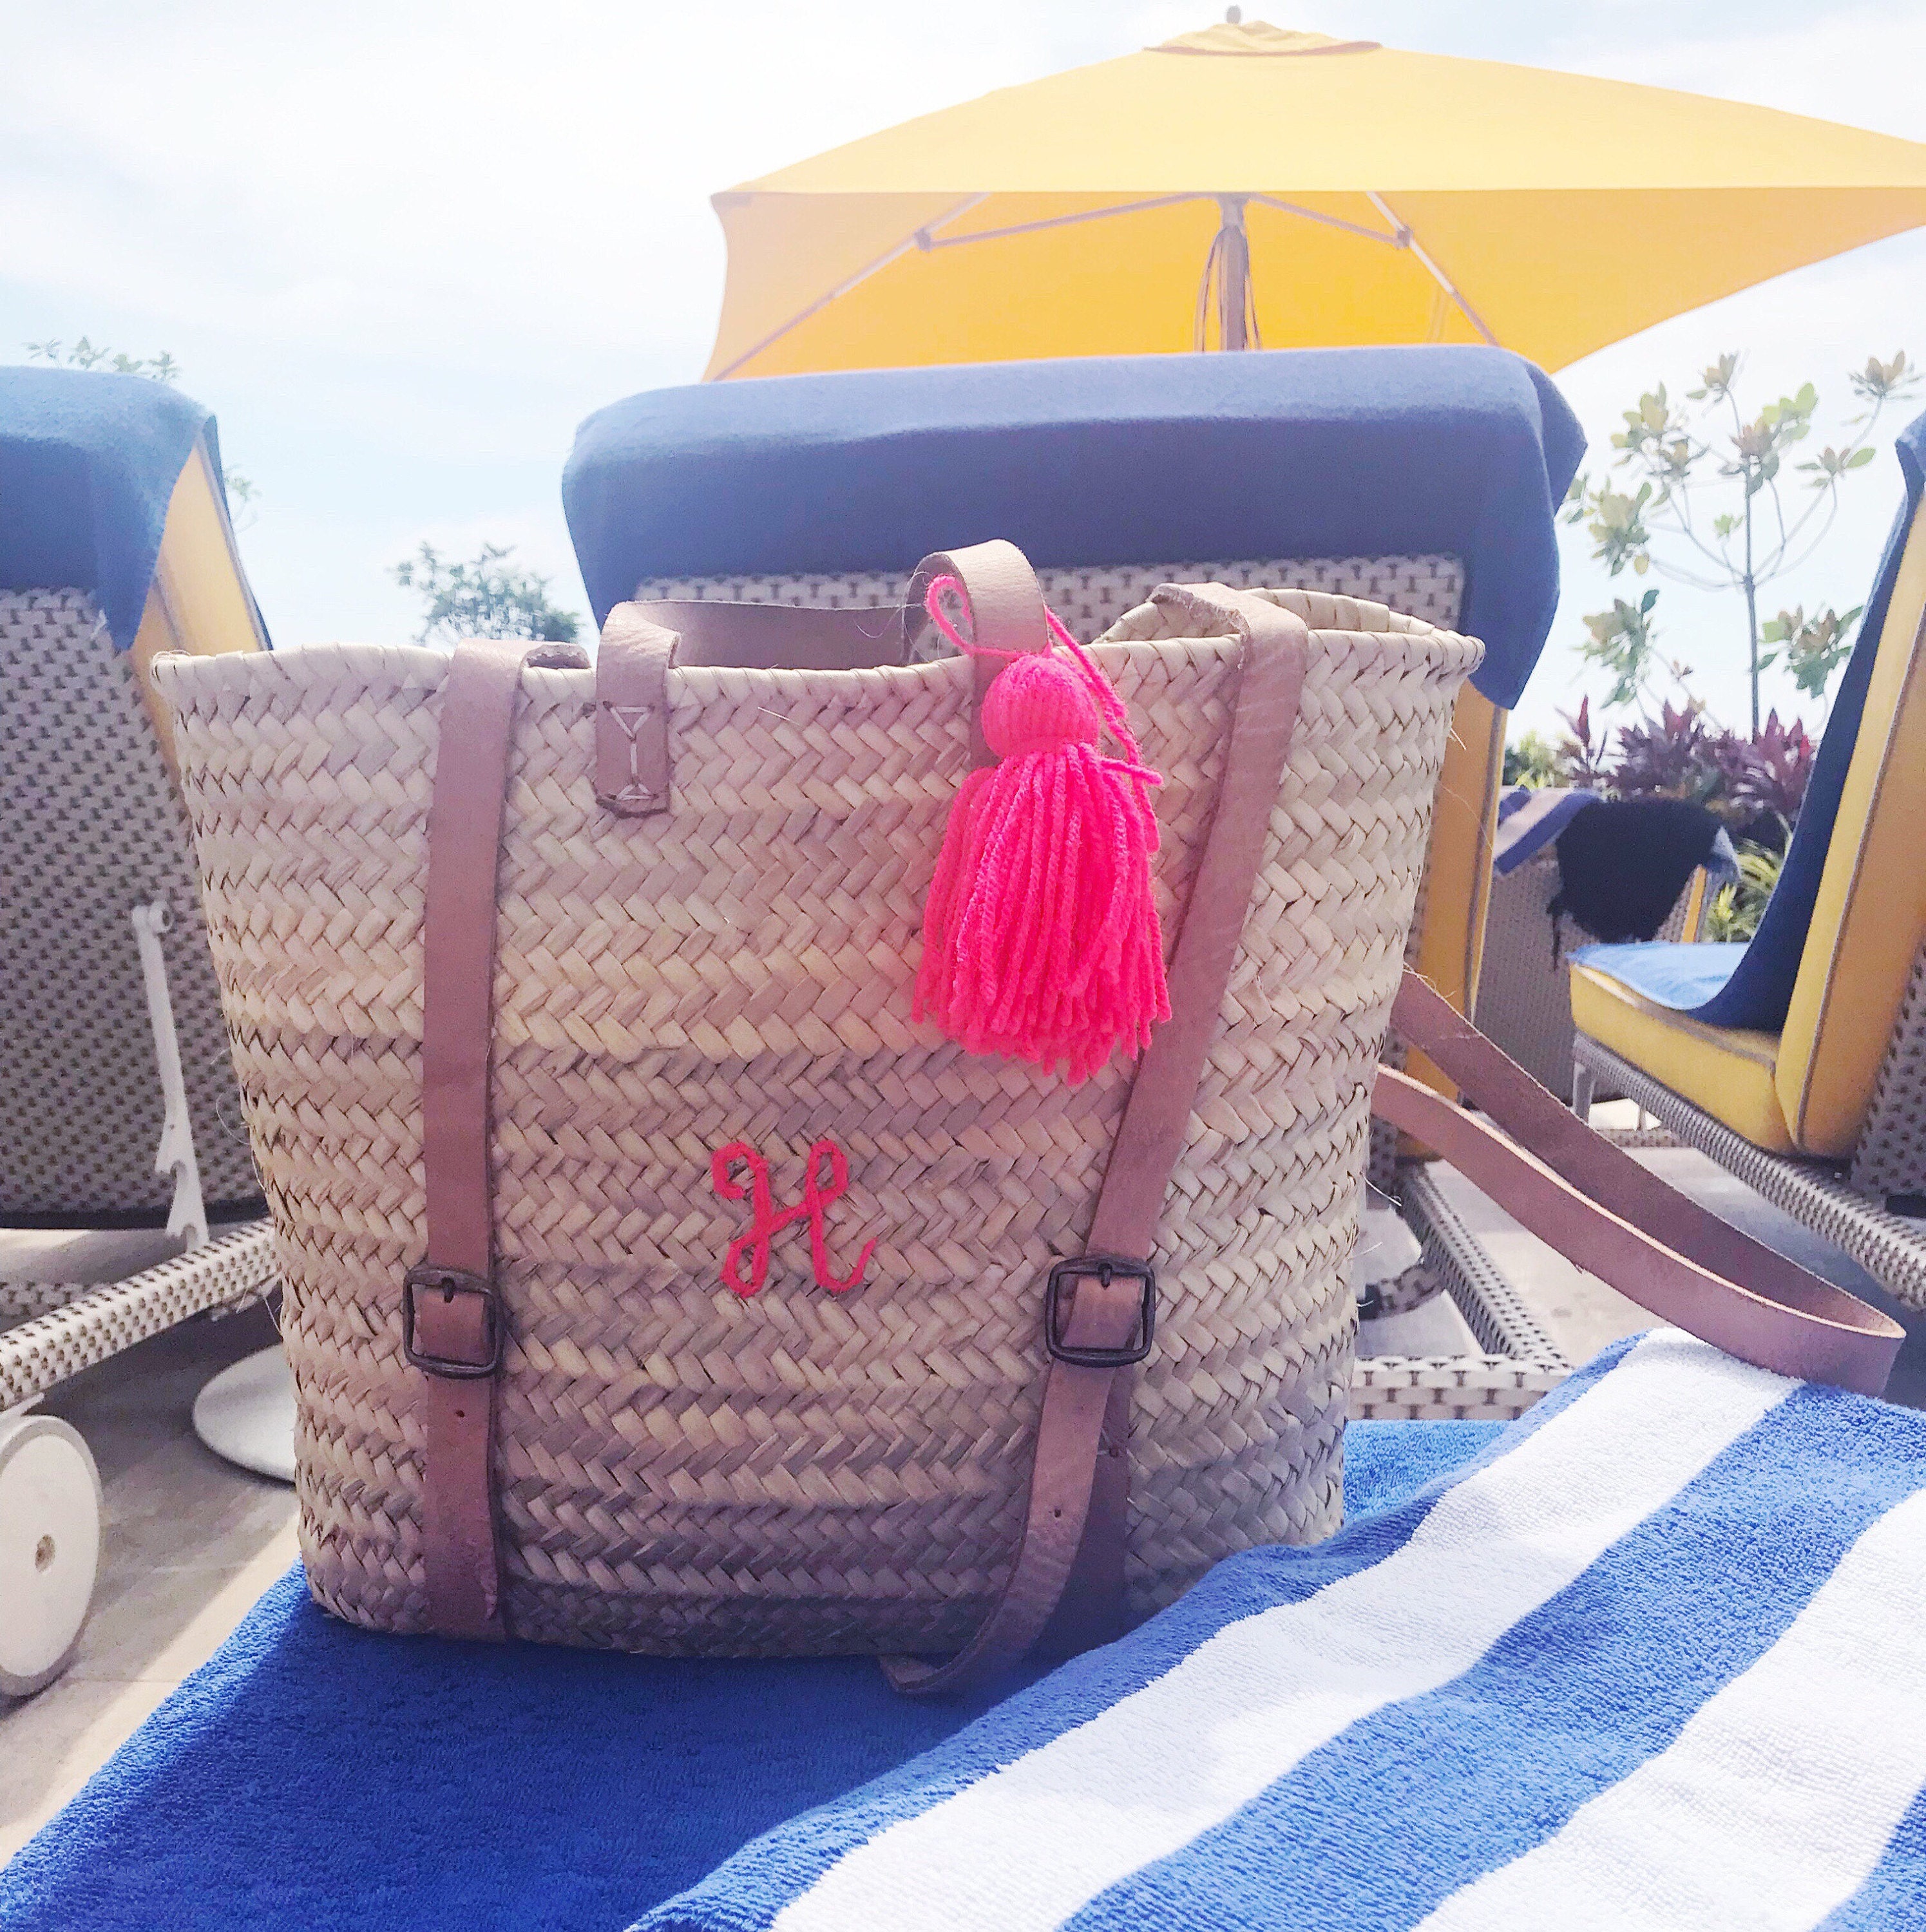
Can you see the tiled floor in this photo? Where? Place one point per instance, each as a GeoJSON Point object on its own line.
{"type": "Point", "coordinates": [192, 1543]}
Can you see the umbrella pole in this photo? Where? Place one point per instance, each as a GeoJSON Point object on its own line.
{"type": "Point", "coordinates": [1230, 256]}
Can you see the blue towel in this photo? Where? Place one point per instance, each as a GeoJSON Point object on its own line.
{"type": "Point", "coordinates": [1530, 816]}
{"type": "Point", "coordinates": [1683, 976]}
{"type": "Point", "coordinates": [1656, 1661]}
{"type": "Point", "coordinates": [88, 463]}
{"type": "Point", "coordinates": [317, 1777]}
{"type": "Point", "coordinates": [1116, 459]}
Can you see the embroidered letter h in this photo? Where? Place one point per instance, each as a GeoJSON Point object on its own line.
{"type": "Point", "coordinates": [765, 1223]}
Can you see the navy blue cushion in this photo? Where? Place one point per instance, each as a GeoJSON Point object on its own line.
{"type": "Point", "coordinates": [315, 1776]}
{"type": "Point", "coordinates": [1139, 459]}
{"type": "Point", "coordinates": [88, 463]}
{"type": "Point", "coordinates": [1758, 990]}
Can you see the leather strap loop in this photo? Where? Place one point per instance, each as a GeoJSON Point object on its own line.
{"type": "Point", "coordinates": [631, 774]}
{"type": "Point", "coordinates": [1006, 614]}
{"type": "Point", "coordinates": [1609, 1215]}
{"type": "Point", "coordinates": [1075, 1524]}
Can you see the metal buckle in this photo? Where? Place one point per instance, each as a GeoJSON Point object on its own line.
{"type": "Point", "coordinates": [1106, 1268]}
{"type": "Point", "coordinates": [448, 1283]}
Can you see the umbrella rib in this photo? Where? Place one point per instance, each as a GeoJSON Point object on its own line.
{"type": "Point", "coordinates": [917, 238]}
{"type": "Point", "coordinates": [1400, 237]}
{"type": "Point", "coordinates": [1407, 239]}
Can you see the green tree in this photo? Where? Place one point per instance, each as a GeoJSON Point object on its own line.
{"type": "Point", "coordinates": [1677, 455]}
{"type": "Point", "coordinates": [486, 597]}
{"type": "Point", "coordinates": [83, 355]}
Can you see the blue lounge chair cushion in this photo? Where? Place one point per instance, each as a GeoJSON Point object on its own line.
{"type": "Point", "coordinates": [317, 1776]}
{"type": "Point", "coordinates": [1756, 990]}
{"type": "Point", "coordinates": [1353, 452]}
{"type": "Point", "coordinates": [87, 465]}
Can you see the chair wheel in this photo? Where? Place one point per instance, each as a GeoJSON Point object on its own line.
{"type": "Point", "coordinates": [50, 1548]}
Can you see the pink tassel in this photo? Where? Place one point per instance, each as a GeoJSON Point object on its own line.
{"type": "Point", "coordinates": [1041, 938]}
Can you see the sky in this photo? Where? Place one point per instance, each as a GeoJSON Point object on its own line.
{"type": "Point", "coordinates": [401, 249]}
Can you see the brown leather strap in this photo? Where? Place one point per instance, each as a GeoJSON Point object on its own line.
{"type": "Point", "coordinates": [1006, 614]}
{"type": "Point", "coordinates": [453, 1325]}
{"type": "Point", "coordinates": [1073, 1527]}
{"type": "Point", "coordinates": [777, 636]}
{"type": "Point", "coordinates": [632, 775]}
{"type": "Point", "coordinates": [1615, 1218]}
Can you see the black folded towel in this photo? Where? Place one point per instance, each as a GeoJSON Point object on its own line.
{"type": "Point", "coordinates": [1623, 864]}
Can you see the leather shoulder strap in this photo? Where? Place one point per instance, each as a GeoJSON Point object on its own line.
{"type": "Point", "coordinates": [1071, 1548]}
{"type": "Point", "coordinates": [453, 1329]}
{"type": "Point", "coordinates": [631, 774]}
{"type": "Point", "coordinates": [1611, 1216]}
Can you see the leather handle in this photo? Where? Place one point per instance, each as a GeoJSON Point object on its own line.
{"type": "Point", "coordinates": [1614, 1218]}
{"type": "Point", "coordinates": [1067, 1576]}
{"type": "Point", "coordinates": [633, 768]}
{"type": "Point", "coordinates": [1006, 614]}
{"type": "Point", "coordinates": [777, 637]}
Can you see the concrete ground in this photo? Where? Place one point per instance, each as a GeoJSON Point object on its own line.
{"type": "Point", "coordinates": [191, 1542]}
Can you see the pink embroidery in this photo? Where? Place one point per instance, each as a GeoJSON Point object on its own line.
{"type": "Point", "coordinates": [765, 1223]}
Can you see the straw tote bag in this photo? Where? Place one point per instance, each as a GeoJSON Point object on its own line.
{"type": "Point", "coordinates": [653, 1279]}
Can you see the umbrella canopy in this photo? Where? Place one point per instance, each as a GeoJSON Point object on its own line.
{"type": "Point", "coordinates": [1245, 184]}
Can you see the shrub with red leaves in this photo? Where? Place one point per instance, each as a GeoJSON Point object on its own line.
{"type": "Point", "coordinates": [1770, 774]}
{"type": "Point", "coordinates": [1673, 756]}
{"type": "Point", "coordinates": [1757, 786]}
{"type": "Point", "coordinates": [1582, 756]}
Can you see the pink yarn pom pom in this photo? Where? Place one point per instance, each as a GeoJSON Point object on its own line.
{"type": "Point", "coordinates": [1041, 937]}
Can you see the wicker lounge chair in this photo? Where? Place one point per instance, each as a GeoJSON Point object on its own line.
{"type": "Point", "coordinates": [637, 501]}
{"type": "Point", "coordinates": [118, 1101]}
{"type": "Point", "coordinates": [1799, 1062]}
{"type": "Point", "coordinates": [1525, 996]}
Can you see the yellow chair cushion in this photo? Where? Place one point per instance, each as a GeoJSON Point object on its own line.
{"type": "Point", "coordinates": [1458, 868]}
{"type": "Point", "coordinates": [1869, 920]}
{"type": "Point", "coordinates": [198, 602]}
{"type": "Point", "coordinates": [1727, 1072]}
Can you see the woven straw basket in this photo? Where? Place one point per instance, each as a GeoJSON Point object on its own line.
{"type": "Point", "coordinates": [679, 1468]}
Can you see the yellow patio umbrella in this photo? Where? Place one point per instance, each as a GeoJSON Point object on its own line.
{"type": "Point", "coordinates": [1247, 184]}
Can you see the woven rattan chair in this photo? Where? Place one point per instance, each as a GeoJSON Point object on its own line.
{"type": "Point", "coordinates": [119, 1107]}
{"type": "Point", "coordinates": [1799, 1062]}
{"type": "Point", "coordinates": [645, 485]}
{"type": "Point", "coordinates": [1520, 1362]}
{"type": "Point", "coordinates": [1525, 994]}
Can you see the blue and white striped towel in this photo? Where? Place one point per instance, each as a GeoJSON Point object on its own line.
{"type": "Point", "coordinates": [1656, 1661]}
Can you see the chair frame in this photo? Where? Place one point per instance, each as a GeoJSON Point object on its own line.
{"type": "Point", "coordinates": [50, 1330]}
{"type": "Point", "coordinates": [1848, 1204]}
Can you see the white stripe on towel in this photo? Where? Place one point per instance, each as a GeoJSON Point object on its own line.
{"type": "Point", "coordinates": [1774, 1804]}
{"type": "Point", "coordinates": [1023, 1848]}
